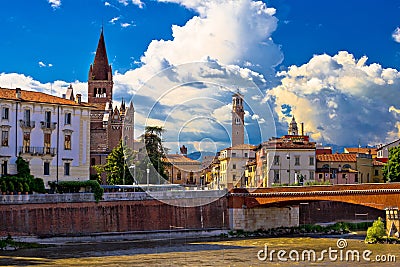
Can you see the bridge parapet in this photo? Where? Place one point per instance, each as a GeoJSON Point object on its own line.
{"type": "Point", "coordinates": [378, 196]}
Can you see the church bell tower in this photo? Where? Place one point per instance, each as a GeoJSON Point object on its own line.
{"type": "Point", "coordinates": [100, 80]}
{"type": "Point", "coordinates": [237, 119]}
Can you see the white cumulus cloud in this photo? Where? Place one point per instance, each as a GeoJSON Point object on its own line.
{"type": "Point", "coordinates": [396, 35]}
{"type": "Point", "coordinates": [44, 65]}
{"type": "Point", "coordinates": [55, 3]}
{"type": "Point", "coordinates": [113, 20]}
{"type": "Point", "coordinates": [340, 98]}
{"type": "Point", "coordinates": [138, 3]}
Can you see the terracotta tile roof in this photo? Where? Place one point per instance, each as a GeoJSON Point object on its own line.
{"type": "Point", "coordinates": [241, 146]}
{"type": "Point", "coordinates": [377, 163]}
{"type": "Point", "coordinates": [363, 150]}
{"type": "Point", "coordinates": [337, 157]}
{"type": "Point", "coordinates": [180, 159]}
{"type": "Point", "coordinates": [39, 97]}
{"type": "Point", "coordinates": [281, 143]}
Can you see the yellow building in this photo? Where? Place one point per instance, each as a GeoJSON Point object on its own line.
{"type": "Point", "coordinates": [183, 170]}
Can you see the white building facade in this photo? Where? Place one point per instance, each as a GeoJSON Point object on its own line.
{"type": "Point", "coordinates": [49, 132]}
{"type": "Point", "coordinates": [232, 163]}
{"type": "Point", "coordinates": [285, 162]}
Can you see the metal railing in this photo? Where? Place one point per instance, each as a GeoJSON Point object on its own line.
{"type": "Point", "coordinates": [48, 125]}
{"type": "Point", "coordinates": [37, 151]}
{"type": "Point", "coordinates": [27, 124]}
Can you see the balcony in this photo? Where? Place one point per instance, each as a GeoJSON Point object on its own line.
{"type": "Point", "coordinates": [27, 124]}
{"type": "Point", "coordinates": [37, 151]}
{"type": "Point", "coordinates": [44, 125]}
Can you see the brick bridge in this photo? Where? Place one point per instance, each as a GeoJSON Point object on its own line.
{"type": "Point", "coordinates": [378, 196]}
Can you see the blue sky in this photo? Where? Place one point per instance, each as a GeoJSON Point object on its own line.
{"type": "Point", "coordinates": [334, 63]}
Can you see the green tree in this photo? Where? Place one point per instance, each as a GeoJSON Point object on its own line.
{"type": "Point", "coordinates": [116, 166]}
{"type": "Point", "coordinates": [22, 168]}
{"type": "Point", "coordinates": [152, 138]}
{"type": "Point", "coordinates": [375, 232]}
{"type": "Point", "coordinates": [391, 170]}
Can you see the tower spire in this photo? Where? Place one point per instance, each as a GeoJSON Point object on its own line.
{"type": "Point", "coordinates": [101, 68]}
{"type": "Point", "coordinates": [100, 82]}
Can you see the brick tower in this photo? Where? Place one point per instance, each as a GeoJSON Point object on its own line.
{"type": "Point", "coordinates": [237, 119]}
{"type": "Point", "coordinates": [107, 123]}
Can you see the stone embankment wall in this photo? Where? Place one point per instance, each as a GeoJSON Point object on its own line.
{"type": "Point", "coordinates": [79, 214]}
{"type": "Point", "coordinates": [263, 217]}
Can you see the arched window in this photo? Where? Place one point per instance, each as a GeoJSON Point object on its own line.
{"type": "Point", "coordinates": [346, 166]}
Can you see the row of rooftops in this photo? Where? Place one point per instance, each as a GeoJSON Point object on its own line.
{"type": "Point", "coordinates": [39, 97]}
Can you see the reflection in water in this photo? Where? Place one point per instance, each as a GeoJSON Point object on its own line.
{"type": "Point", "coordinates": [239, 252]}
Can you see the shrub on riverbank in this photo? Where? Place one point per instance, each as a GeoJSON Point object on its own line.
{"type": "Point", "coordinates": [9, 243]}
{"type": "Point", "coordinates": [23, 181]}
{"type": "Point", "coordinates": [75, 186]}
{"type": "Point", "coordinates": [376, 232]}
{"type": "Point", "coordinates": [334, 229]}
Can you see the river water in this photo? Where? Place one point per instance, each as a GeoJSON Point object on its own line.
{"type": "Point", "coordinates": [212, 252]}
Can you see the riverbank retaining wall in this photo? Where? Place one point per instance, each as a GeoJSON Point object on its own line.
{"type": "Point", "coordinates": [79, 214]}
{"type": "Point", "coordinates": [263, 217]}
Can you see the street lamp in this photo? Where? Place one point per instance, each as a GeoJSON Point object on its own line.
{"type": "Point", "coordinates": [148, 172]}
{"type": "Point", "coordinates": [134, 173]}
{"type": "Point", "coordinates": [288, 158]}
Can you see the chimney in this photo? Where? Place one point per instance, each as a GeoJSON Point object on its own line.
{"type": "Point", "coordinates": [18, 92]}
{"type": "Point", "coordinates": [183, 150]}
{"type": "Point", "coordinates": [79, 98]}
{"type": "Point", "coordinates": [302, 128]}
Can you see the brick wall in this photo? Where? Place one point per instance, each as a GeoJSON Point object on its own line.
{"type": "Point", "coordinates": [330, 211]}
{"type": "Point", "coordinates": [83, 218]}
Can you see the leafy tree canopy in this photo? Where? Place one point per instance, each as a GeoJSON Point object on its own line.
{"type": "Point", "coordinates": [391, 170]}
{"type": "Point", "coordinates": [116, 166]}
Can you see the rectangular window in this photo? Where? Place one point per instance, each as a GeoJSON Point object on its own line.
{"type": "Point", "coordinates": [276, 177]}
{"type": "Point", "coordinates": [4, 138]}
{"type": "Point", "coordinates": [312, 174]}
{"type": "Point", "coordinates": [311, 161]}
{"type": "Point", "coordinates": [296, 160]}
{"type": "Point", "coordinates": [67, 166]}
{"type": "Point", "coordinates": [67, 142]}
{"type": "Point", "coordinates": [234, 166]}
{"type": "Point", "coordinates": [4, 167]}
{"type": "Point", "coordinates": [276, 160]}
{"type": "Point", "coordinates": [47, 118]}
{"type": "Point", "coordinates": [233, 155]}
{"type": "Point", "coordinates": [246, 155]}
{"type": "Point", "coordinates": [67, 118]}
{"type": "Point", "coordinates": [320, 176]}
{"type": "Point", "coordinates": [5, 113]}
{"type": "Point", "coordinates": [47, 143]}
{"type": "Point", "coordinates": [376, 172]}
{"type": "Point", "coordinates": [27, 116]}
{"type": "Point", "coordinates": [46, 168]}
{"type": "Point", "coordinates": [26, 142]}
{"type": "Point", "coordinates": [234, 177]}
